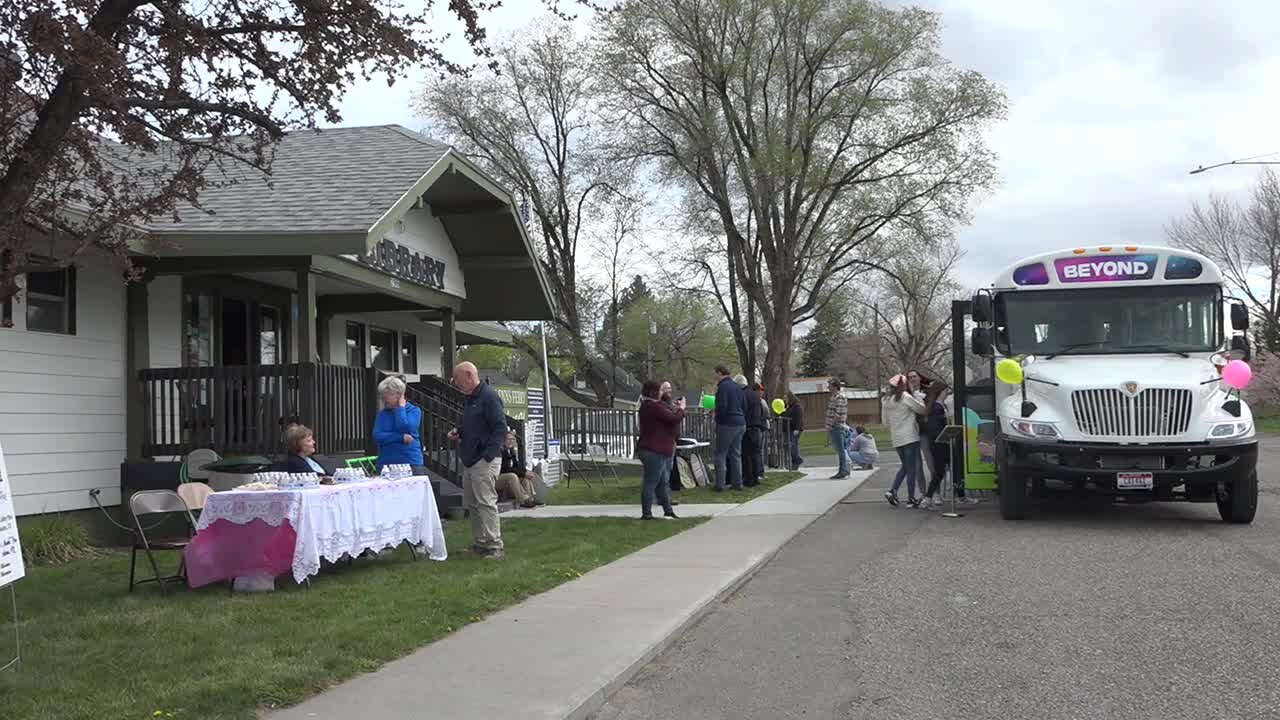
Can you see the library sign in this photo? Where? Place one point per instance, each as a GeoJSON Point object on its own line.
{"type": "Point", "coordinates": [397, 260]}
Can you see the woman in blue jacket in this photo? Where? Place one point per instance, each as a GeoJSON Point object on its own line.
{"type": "Point", "coordinates": [397, 429]}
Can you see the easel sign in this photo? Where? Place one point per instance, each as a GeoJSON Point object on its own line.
{"type": "Point", "coordinates": [11, 567]}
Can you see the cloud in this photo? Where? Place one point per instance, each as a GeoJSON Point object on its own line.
{"type": "Point", "coordinates": [1110, 107]}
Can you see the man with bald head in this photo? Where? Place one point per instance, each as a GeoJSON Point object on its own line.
{"type": "Point", "coordinates": [484, 428]}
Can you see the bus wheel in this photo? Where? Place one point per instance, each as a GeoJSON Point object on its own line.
{"type": "Point", "coordinates": [1238, 501]}
{"type": "Point", "coordinates": [1013, 495]}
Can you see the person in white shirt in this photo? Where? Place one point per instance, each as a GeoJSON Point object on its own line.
{"type": "Point", "coordinates": [862, 449]}
{"type": "Point", "coordinates": [901, 409]}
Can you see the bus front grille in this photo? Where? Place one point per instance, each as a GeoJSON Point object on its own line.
{"type": "Point", "coordinates": [1154, 412]}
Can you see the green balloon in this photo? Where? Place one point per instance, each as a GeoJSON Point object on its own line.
{"type": "Point", "coordinates": [709, 402]}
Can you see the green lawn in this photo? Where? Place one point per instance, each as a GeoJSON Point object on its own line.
{"type": "Point", "coordinates": [626, 490]}
{"type": "Point", "coordinates": [93, 652]}
{"type": "Point", "coordinates": [817, 442]}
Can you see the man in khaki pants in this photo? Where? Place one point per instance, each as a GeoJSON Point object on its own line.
{"type": "Point", "coordinates": [484, 427]}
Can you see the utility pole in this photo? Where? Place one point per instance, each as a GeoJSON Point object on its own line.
{"type": "Point", "coordinates": [879, 374]}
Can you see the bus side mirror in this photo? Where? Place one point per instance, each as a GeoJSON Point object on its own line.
{"type": "Point", "coordinates": [980, 341]}
{"type": "Point", "coordinates": [1239, 317]}
{"type": "Point", "coordinates": [1240, 349]}
{"type": "Point", "coordinates": [982, 307]}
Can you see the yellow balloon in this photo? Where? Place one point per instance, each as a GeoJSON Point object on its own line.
{"type": "Point", "coordinates": [779, 406]}
{"type": "Point", "coordinates": [1009, 371]}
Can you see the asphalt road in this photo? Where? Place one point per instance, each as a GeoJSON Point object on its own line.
{"type": "Point", "coordinates": [1154, 611]}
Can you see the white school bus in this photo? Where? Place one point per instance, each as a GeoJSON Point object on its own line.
{"type": "Point", "coordinates": [1121, 351]}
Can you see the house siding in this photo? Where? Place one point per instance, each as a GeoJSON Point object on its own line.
{"type": "Point", "coordinates": [62, 399]}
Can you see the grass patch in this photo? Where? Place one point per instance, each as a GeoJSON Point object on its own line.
{"type": "Point", "coordinates": [93, 651]}
{"type": "Point", "coordinates": [818, 442]}
{"type": "Point", "coordinates": [626, 490]}
{"type": "Point", "coordinates": [1268, 425]}
{"type": "Point", "coordinates": [54, 539]}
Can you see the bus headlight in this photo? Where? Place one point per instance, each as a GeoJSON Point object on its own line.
{"type": "Point", "coordinates": [1035, 429]}
{"type": "Point", "coordinates": [1226, 431]}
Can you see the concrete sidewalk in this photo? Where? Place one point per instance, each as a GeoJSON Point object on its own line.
{"type": "Point", "coordinates": [692, 510]}
{"type": "Point", "coordinates": [562, 653]}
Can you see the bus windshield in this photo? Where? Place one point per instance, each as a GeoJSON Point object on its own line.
{"type": "Point", "coordinates": [1110, 320]}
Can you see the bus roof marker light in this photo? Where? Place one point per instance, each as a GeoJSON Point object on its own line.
{"type": "Point", "coordinates": [1105, 249]}
{"type": "Point", "coordinates": [1131, 248]}
{"type": "Point", "coordinates": [1078, 251]}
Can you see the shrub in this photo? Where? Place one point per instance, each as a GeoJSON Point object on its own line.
{"type": "Point", "coordinates": [54, 539]}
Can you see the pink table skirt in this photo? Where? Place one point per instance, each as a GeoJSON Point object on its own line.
{"type": "Point", "coordinates": [225, 550]}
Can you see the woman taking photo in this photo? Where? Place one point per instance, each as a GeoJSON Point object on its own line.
{"type": "Point", "coordinates": [901, 410]}
{"type": "Point", "coordinates": [659, 425]}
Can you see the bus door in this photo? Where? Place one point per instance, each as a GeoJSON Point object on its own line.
{"type": "Point", "coordinates": [975, 404]}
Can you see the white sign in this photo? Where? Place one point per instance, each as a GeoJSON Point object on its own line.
{"type": "Point", "coordinates": [11, 567]}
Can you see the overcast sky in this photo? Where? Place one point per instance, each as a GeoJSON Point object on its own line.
{"type": "Point", "coordinates": [1108, 110]}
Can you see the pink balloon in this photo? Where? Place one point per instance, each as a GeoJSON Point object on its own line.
{"type": "Point", "coordinates": [1237, 374]}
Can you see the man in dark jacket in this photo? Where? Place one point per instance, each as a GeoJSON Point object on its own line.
{"type": "Point", "coordinates": [731, 423]}
{"type": "Point", "coordinates": [795, 413]}
{"type": "Point", "coordinates": [752, 439]}
{"type": "Point", "coordinates": [484, 428]}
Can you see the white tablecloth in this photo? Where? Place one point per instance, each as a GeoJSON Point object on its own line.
{"type": "Point", "coordinates": [336, 520]}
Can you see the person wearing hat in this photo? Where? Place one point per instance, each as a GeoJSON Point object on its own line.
{"type": "Point", "coordinates": [837, 426]}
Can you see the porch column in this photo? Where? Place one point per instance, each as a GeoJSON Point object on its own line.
{"type": "Point", "coordinates": [306, 316]}
{"type": "Point", "coordinates": [137, 357]}
{"type": "Point", "coordinates": [307, 346]}
{"type": "Point", "coordinates": [448, 344]}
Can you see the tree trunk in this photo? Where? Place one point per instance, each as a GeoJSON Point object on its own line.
{"type": "Point", "coordinates": [777, 358]}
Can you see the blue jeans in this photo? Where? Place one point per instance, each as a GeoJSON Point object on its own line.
{"type": "Point", "coordinates": [910, 457]}
{"type": "Point", "coordinates": [840, 441]}
{"type": "Point", "coordinates": [729, 455]}
{"type": "Point", "coordinates": [796, 460]}
{"type": "Point", "coordinates": [858, 458]}
{"type": "Point", "coordinates": [657, 471]}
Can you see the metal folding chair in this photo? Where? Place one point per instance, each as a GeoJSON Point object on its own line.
{"type": "Point", "coordinates": [157, 502]}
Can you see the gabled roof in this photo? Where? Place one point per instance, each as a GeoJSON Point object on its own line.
{"type": "Point", "coordinates": [332, 180]}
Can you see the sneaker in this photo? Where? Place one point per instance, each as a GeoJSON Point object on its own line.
{"type": "Point", "coordinates": [868, 467]}
{"type": "Point", "coordinates": [913, 503]}
{"type": "Point", "coordinates": [494, 554]}
{"type": "Point", "coordinates": [671, 514]}
{"type": "Point", "coordinates": [968, 500]}
{"type": "Point", "coordinates": [893, 499]}
{"type": "Point", "coordinates": [930, 504]}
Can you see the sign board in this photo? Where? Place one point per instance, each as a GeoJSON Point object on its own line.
{"type": "Point", "coordinates": [402, 262]}
{"type": "Point", "coordinates": [11, 567]}
{"type": "Point", "coordinates": [535, 423]}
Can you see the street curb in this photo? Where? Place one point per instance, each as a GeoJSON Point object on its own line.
{"type": "Point", "coordinates": [601, 696]}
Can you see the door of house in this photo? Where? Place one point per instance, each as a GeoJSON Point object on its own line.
{"type": "Point", "coordinates": [236, 328]}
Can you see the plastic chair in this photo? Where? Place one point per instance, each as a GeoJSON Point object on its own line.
{"type": "Point", "coordinates": [368, 464]}
{"type": "Point", "coordinates": [194, 495]}
{"type": "Point", "coordinates": [156, 502]}
{"type": "Point", "coordinates": [193, 467]}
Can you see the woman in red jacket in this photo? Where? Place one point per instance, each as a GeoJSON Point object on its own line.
{"type": "Point", "coordinates": [659, 425]}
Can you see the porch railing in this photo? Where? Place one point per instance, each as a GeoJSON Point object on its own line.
{"type": "Point", "coordinates": [615, 432]}
{"type": "Point", "coordinates": [442, 405]}
{"type": "Point", "coordinates": [245, 410]}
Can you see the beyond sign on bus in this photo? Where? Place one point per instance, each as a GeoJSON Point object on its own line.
{"type": "Point", "coordinates": [1106, 268]}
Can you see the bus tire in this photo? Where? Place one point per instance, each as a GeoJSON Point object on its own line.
{"type": "Point", "coordinates": [1238, 501]}
{"type": "Point", "coordinates": [1013, 494]}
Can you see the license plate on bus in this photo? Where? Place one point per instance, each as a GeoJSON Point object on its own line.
{"type": "Point", "coordinates": [1134, 481]}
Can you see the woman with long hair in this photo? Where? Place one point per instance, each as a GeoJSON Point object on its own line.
{"type": "Point", "coordinates": [935, 421]}
{"type": "Point", "coordinates": [901, 410]}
